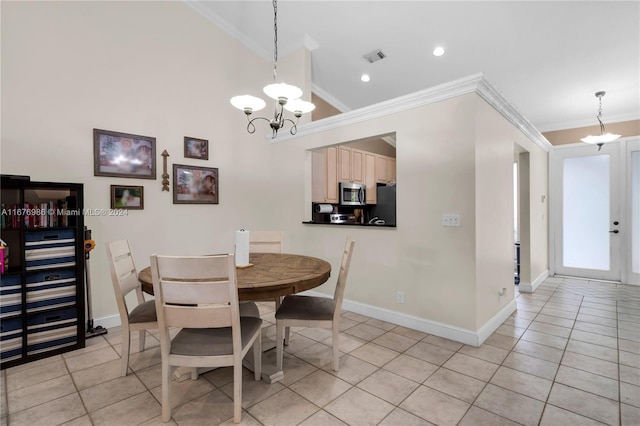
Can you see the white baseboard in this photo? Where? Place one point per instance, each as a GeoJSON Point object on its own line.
{"type": "Point", "coordinates": [108, 322]}
{"type": "Point", "coordinates": [531, 287]}
{"type": "Point", "coordinates": [436, 328]}
{"type": "Point", "coordinates": [496, 321]}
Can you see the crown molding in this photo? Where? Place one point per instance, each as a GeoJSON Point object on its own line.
{"type": "Point", "coordinates": [225, 26]}
{"type": "Point", "coordinates": [497, 101]}
{"type": "Point", "coordinates": [475, 83]}
{"type": "Point", "coordinates": [329, 98]}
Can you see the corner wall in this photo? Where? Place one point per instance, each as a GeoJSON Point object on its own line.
{"type": "Point", "coordinates": [150, 68]}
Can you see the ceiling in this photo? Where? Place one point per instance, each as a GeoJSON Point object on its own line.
{"type": "Point", "coordinates": [547, 58]}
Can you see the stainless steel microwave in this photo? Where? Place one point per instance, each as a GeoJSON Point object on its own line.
{"type": "Point", "coordinates": [352, 194]}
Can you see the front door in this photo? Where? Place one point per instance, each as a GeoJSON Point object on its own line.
{"type": "Point", "coordinates": [587, 213]}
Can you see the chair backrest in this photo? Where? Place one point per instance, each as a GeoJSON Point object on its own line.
{"type": "Point", "coordinates": [196, 291]}
{"type": "Point", "coordinates": [266, 242]}
{"type": "Point", "coordinates": [338, 295]}
{"type": "Point", "coordinates": [124, 275]}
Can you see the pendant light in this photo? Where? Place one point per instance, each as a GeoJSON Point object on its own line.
{"type": "Point", "coordinates": [285, 96]}
{"type": "Point", "coordinates": [603, 137]}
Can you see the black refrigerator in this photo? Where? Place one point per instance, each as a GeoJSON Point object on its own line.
{"type": "Point", "coordinates": [385, 207]}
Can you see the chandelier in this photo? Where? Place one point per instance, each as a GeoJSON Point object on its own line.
{"type": "Point", "coordinates": [603, 137]}
{"type": "Point", "coordinates": [285, 96]}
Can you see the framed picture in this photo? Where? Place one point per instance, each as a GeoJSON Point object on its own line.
{"type": "Point", "coordinates": [196, 148]}
{"type": "Point", "coordinates": [195, 185]}
{"type": "Point", "coordinates": [123, 155]}
{"type": "Point", "coordinates": [127, 197]}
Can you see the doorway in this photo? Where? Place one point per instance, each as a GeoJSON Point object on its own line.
{"type": "Point", "coordinates": [595, 218]}
{"type": "Point", "coordinates": [522, 219]}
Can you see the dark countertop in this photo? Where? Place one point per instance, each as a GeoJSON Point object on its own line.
{"type": "Point", "coordinates": [350, 224]}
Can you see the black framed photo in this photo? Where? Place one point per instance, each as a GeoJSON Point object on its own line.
{"type": "Point", "coordinates": [195, 185]}
{"type": "Point", "coordinates": [127, 197]}
{"type": "Point", "coordinates": [124, 155]}
{"type": "Point", "coordinates": [196, 148]}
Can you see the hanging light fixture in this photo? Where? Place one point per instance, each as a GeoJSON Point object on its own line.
{"type": "Point", "coordinates": [603, 137]}
{"type": "Point", "coordinates": [285, 96]}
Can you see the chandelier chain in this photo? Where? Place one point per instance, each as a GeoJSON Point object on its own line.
{"type": "Point", "coordinates": [275, 40]}
{"type": "Point", "coordinates": [600, 115]}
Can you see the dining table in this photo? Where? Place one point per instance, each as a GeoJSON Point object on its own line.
{"type": "Point", "coordinates": [267, 277]}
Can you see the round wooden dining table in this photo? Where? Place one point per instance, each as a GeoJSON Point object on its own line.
{"type": "Point", "coordinates": [270, 275]}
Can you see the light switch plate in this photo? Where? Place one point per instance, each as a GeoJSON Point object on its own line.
{"type": "Point", "coordinates": [450, 219]}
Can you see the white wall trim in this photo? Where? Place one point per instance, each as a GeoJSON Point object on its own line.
{"type": "Point", "coordinates": [473, 83]}
{"type": "Point", "coordinates": [447, 331]}
{"type": "Point", "coordinates": [531, 287]}
{"type": "Point", "coordinates": [108, 322]}
{"type": "Point", "coordinates": [329, 98]}
{"type": "Point", "coordinates": [496, 321]}
{"type": "Point", "coordinates": [229, 29]}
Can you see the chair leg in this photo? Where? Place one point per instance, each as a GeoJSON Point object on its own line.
{"type": "Point", "coordinates": [279, 343]}
{"type": "Point", "coordinates": [125, 340]}
{"type": "Point", "coordinates": [194, 373]}
{"type": "Point", "coordinates": [287, 330]}
{"type": "Point", "coordinates": [237, 391]}
{"type": "Point", "coordinates": [257, 357]}
{"type": "Point", "coordinates": [278, 302]}
{"type": "Point", "coordinates": [336, 346]}
{"type": "Point", "coordinates": [142, 334]}
{"type": "Point", "coordinates": [166, 391]}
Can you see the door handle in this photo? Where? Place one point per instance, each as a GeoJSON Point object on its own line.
{"type": "Point", "coordinates": [615, 231]}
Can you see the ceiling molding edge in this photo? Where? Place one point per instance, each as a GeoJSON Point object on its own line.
{"type": "Point", "coordinates": [229, 29]}
{"type": "Point", "coordinates": [473, 83]}
{"type": "Point", "coordinates": [329, 98]}
{"type": "Point", "coordinates": [433, 94]}
{"type": "Point", "coordinates": [494, 98]}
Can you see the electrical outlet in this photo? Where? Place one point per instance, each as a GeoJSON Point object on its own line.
{"type": "Point", "coordinates": [400, 297]}
{"type": "Point", "coordinates": [450, 219]}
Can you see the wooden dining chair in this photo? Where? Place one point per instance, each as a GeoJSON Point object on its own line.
{"type": "Point", "coordinates": [266, 242]}
{"type": "Point", "coordinates": [199, 294]}
{"type": "Point", "coordinates": [312, 311]}
{"type": "Point", "coordinates": [124, 277]}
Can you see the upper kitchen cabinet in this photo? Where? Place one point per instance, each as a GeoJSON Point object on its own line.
{"type": "Point", "coordinates": [385, 169]}
{"type": "Point", "coordinates": [324, 171]}
{"type": "Point", "coordinates": [350, 165]}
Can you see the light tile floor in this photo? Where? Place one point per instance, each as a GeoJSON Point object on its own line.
{"type": "Point", "coordinates": [570, 355]}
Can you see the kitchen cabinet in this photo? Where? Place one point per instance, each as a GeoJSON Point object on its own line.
{"type": "Point", "coordinates": [381, 169]}
{"type": "Point", "coordinates": [350, 165]}
{"type": "Point", "coordinates": [385, 169]}
{"type": "Point", "coordinates": [357, 166]}
{"type": "Point", "coordinates": [343, 164]}
{"type": "Point", "coordinates": [324, 171]}
{"type": "Point", "coordinates": [370, 177]}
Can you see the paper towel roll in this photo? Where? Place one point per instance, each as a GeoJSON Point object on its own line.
{"type": "Point", "coordinates": [323, 208]}
{"type": "Point", "coordinates": [242, 248]}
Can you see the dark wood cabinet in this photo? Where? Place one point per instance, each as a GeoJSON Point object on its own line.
{"type": "Point", "coordinates": [42, 299]}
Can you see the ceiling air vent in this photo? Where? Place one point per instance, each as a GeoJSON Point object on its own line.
{"type": "Point", "coordinates": [375, 56]}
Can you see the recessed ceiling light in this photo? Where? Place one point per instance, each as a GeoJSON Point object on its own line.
{"type": "Point", "coordinates": [438, 51]}
{"type": "Point", "coordinates": [365, 78]}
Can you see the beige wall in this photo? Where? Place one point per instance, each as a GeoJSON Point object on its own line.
{"type": "Point", "coordinates": [454, 156]}
{"type": "Point", "coordinates": [67, 70]}
{"type": "Point", "coordinates": [562, 137]}
{"type": "Point", "coordinates": [323, 108]}
{"type": "Point", "coordinates": [150, 68]}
